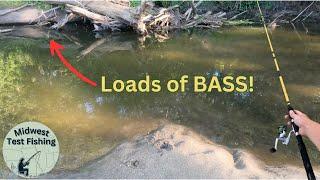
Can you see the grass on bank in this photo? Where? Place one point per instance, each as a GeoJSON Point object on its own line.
{"type": "Point", "coordinates": [17, 3]}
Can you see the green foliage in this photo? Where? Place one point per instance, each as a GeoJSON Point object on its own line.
{"type": "Point", "coordinates": [234, 5]}
{"type": "Point", "coordinates": [247, 5]}
{"type": "Point", "coordinates": [135, 3]}
{"type": "Point", "coordinates": [10, 4]}
{"type": "Point", "coordinates": [170, 3]}
{"type": "Point", "coordinates": [267, 5]}
{"type": "Point", "coordinates": [251, 5]}
{"type": "Point", "coordinates": [12, 67]}
{"type": "Point", "coordinates": [42, 5]}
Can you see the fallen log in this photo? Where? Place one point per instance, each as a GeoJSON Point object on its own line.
{"type": "Point", "coordinates": [25, 15]}
{"type": "Point", "coordinates": [119, 12]}
{"type": "Point", "coordinates": [145, 19]}
{"type": "Point", "coordinates": [31, 15]}
{"type": "Point", "coordinates": [6, 11]}
{"type": "Point", "coordinates": [116, 15]}
{"type": "Point", "coordinates": [100, 22]}
{"type": "Point", "coordinates": [83, 12]}
{"type": "Point", "coordinates": [121, 2]}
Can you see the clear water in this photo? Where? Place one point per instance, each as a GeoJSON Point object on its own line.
{"type": "Point", "coordinates": [88, 123]}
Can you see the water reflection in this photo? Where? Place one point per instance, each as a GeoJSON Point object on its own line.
{"type": "Point", "coordinates": [89, 123]}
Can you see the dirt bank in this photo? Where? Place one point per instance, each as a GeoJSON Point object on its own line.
{"type": "Point", "coordinates": [174, 151]}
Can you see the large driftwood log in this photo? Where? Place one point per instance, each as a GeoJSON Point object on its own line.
{"type": "Point", "coordinates": [117, 14]}
{"type": "Point", "coordinates": [25, 15]}
{"type": "Point", "coordinates": [6, 11]}
{"type": "Point", "coordinates": [31, 15]}
{"type": "Point", "coordinates": [106, 8]}
{"type": "Point", "coordinates": [101, 22]}
{"type": "Point", "coordinates": [84, 12]}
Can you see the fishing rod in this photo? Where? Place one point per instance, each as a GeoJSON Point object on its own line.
{"type": "Point", "coordinates": [32, 156]}
{"type": "Point", "coordinates": [295, 128]}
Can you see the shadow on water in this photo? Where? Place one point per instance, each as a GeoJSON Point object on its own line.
{"type": "Point", "coordinates": [88, 123]}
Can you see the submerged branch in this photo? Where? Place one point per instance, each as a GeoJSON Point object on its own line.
{"type": "Point", "coordinates": [91, 47]}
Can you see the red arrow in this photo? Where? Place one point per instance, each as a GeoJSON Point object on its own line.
{"type": "Point", "coordinates": [55, 48]}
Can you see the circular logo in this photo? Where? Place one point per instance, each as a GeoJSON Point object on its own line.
{"type": "Point", "coordinates": [30, 149]}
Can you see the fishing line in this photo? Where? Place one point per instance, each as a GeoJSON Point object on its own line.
{"type": "Point", "coordinates": [295, 128]}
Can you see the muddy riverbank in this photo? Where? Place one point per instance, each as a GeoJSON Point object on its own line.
{"type": "Point", "coordinates": [174, 151]}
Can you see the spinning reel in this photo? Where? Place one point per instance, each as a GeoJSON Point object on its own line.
{"type": "Point", "coordinates": [282, 137]}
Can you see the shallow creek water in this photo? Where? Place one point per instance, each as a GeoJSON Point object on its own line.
{"type": "Point", "coordinates": [88, 123]}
